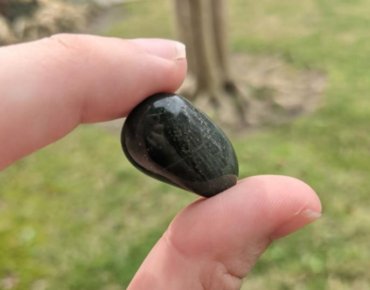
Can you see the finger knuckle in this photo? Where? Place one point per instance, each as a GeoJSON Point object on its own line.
{"type": "Point", "coordinates": [68, 53]}
{"type": "Point", "coordinates": [68, 48]}
{"type": "Point", "coordinates": [64, 41]}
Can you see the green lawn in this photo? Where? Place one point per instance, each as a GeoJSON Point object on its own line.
{"type": "Point", "coordinates": [77, 216]}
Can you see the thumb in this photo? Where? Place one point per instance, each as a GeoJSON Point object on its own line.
{"type": "Point", "coordinates": [213, 243]}
{"type": "Point", "coordinates": [56, 83]}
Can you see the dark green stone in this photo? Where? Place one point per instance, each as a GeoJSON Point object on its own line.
{"type": "Point", "coordinates": [167, 138]}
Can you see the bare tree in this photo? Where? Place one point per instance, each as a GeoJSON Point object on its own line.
{"type": "Point", "coordinates": [202, 26]}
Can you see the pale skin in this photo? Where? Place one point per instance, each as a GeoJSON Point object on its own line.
{"type": "Point", "coordinates": [49, 87]}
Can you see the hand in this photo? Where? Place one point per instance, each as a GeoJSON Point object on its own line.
{"type": "Point", "coordinates": [49, 87]}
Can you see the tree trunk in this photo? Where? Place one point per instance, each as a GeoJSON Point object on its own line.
{"type": "Point", "coordinates": [202, 27]}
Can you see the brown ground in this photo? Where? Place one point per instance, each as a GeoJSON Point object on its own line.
{"type": "Point", "coordinates": [277, 91]}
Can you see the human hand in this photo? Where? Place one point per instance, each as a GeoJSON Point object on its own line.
{"type": "Point", "coordinates": [49, 87]}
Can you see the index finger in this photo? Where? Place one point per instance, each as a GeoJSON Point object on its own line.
{"type": "Point", "coordinates": [48, 87]}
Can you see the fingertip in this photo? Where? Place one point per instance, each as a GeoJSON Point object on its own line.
{"type": "Point", "coordinates": [112, 75]}
{"type": "Point", "coordinates": [234, 227]}
{"type": "Point", "coordinates": [170, 77]}
{"type": "Point", "coordinates": [147, 67]}
{"type": "Point", "coordinates": [169, 59]}
{"type": "Point", "coordinates": [287, 203]}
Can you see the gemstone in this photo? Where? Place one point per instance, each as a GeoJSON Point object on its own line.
{"type": "Point", "coordinates": [167, 138]}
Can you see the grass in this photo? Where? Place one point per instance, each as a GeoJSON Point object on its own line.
{"type": "Point", "coordinates": [77, 216]}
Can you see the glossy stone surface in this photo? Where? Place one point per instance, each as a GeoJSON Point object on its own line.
{"type": "Point", "coordinates": [167, 138]}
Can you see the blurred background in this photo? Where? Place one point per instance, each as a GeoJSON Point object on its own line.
{"type": "Point", "coordinates": [289, 83]}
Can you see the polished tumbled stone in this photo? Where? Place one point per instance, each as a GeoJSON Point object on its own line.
{"type": "Point", "coordinates": [167, 138]}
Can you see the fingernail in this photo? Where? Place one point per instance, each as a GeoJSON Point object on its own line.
{"type": "Point", "coordinates": [180, 50]}
{"type": "Point", "coordinates": [297, 221]}
{"type": "Point", "coordinates": [311, 214]}
{"type": "Point", "coordinates": [168, 49]}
